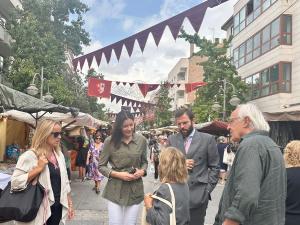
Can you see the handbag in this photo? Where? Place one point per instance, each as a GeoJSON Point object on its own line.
{"type": "Point", "coordinates": [171, 204]}
{"type": "Point", "coordinates": [21, 205]}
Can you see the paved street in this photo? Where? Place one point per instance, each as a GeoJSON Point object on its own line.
{"type": "Point", "coordinates": [90, 208]}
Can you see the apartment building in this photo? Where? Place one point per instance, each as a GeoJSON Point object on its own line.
{"type": "Point", "coordinates": [266, 52]}
{"type": "Point", "coordinates": [6, 7]}
{"type": "Point", "coordinates": [185, 71]}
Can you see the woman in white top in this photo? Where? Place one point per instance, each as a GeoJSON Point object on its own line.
{"type": "Point", "coordinates": [46, 162]}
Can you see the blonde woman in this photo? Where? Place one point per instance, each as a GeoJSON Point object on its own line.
{"type": "Point", "coordinates": [172, 169]}
{"type": "Point", "coordinates": [46, 162]}
{"type": "Point", "coordinates": [292, 163]}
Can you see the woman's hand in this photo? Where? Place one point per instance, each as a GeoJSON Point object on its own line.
{"type": "Point", "coordinates": [148, 201]}
{"type": "Point", "coordinates": [125, 176]}
{"type": "Point", "coordinates": [139, 173]}
{"type": "Point", "coordinates": [42, 162]}
{"type": "Point", "coordinates": [71, 212]}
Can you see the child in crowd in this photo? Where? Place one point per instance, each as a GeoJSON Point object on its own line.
{"type": "Point", "coordinates": [172, 170]}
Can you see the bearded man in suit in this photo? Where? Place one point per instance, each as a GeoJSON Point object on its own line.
{"type": "Point", "coordinates": [202, 160]}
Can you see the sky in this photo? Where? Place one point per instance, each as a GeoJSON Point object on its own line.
{"type": "Point", "coordinates": [109, 21]}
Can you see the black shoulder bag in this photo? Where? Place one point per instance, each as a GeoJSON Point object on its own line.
{"type": "Point", "coordinates": [21, 205]}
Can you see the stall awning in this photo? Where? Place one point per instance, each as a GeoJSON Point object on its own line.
{"type": "Point", "coordinates": [82, 119]}
{"type": "Point", "coordinates": [283, 116]}
{"type": "Point", "coordinates": [13, 99]}
{"type": "Point", "coordinates": [217, 128]}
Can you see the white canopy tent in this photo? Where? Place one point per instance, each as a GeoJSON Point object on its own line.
{"type": "Point", "coordinates": [82, 119]}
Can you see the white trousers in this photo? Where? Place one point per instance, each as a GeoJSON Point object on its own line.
{"type": "Point", "coordinates": [122, 215]}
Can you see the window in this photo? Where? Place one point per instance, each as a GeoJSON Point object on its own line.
{"type": "Point", "coordinates": [265, 39]}
{"type": "Point", "coordinates": [268, 38]}
{"type": "Point", "coordinates": [265, 82]}
{"type": "Point", "coordinates": [286, 77]}
{"type": "Point", "coordinates": [180, 94]}
{"type": "Point", "coordinates": [266, 5]}
{"type": "Point", "coordinates": [272, 80]}
{"type": "Point", "coordinates": [242, 55]}
{"type": "Point", "coordinates": [250, 12]}
{"type": "Point", "coordinates": [275, 33]}
{"type": "Point", "coordinates": [249, 50]}
{"type": "Point", "coordinates": [181, 76]}
{"type": "Point", "coordinates": [287, 30]}
{"type": "Point", "coordinates": [256, 8]}
{"type": "Point", "coordinates": [256, 45]}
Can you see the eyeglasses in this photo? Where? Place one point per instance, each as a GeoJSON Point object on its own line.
{"type": "Point", "coordinates": [56, 134]}
{"type": "Point", "coordinates": [231, 120]}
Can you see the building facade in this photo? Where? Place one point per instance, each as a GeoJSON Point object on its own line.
{"type": "Point", "coordinates": [266, 52]}
{"type": "Point", "coordinates": [185, 71]}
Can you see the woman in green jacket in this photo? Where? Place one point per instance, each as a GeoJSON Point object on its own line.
{"type": "Point", "coordinates": [126, 152]}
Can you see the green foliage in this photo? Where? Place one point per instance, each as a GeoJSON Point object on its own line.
{"type": "Point", "coordinates": [162, 114]}
{"type": "Point", "coordinates": [42, 32]}
{"type": "Point", "coordinates": [217, 67]}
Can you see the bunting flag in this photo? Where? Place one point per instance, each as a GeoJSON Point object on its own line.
{"type": "Point", "coordinates": [195, 16]}
{"type": "Point", "coordinates": [193, 86]}
{"type": "Point", "coordinates": [130, 101]}
{"type": "Point", "coordinates": [145, 88]}
{"type": "Point", "coordinates": [99, 88]}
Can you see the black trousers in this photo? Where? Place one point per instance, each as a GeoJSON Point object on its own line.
{"type": "Point", "coordinates": [198, 214]}
{"type": "Point", "coordinates": [156, 162]}
{"type": "Point", "coordinates": [56, 213]}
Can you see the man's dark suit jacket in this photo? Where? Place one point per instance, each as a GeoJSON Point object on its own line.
{"type": "Point", "coordinates": [205, 174]}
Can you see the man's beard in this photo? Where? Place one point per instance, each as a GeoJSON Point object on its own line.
{"type": "Point", "coordinates": [188, 131]}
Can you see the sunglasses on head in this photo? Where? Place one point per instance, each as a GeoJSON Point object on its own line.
{"type": "Point", "coordinates": [56, 134]}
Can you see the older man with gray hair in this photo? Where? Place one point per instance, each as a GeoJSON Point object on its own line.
{"type": "Point", "coordinates": [255, 191]}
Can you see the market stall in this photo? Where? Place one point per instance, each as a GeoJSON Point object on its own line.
{"type": "Point", "coordinates": [217, 128]}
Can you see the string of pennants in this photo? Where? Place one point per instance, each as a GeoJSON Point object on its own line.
{"type": "Point", "coordinates": [195, 15]}
{"type": "Point", "coordinates": [102, 88]}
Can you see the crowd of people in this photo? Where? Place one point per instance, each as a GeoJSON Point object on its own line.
{"type": "Point", "coordinates": [261, 184]}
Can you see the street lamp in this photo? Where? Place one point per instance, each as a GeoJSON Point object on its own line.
{"type": "Point", "coordinates": [234, 101]}
{"type": "Point", "coordinates": [33, 90]}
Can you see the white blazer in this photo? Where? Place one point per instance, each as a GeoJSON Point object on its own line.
{"type": "Point", "coordinates": [27, 162]}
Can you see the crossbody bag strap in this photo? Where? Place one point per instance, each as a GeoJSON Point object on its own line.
{"type": "Point", "coordinates": [173, 215]}
{"type": "Point", "coordinates": [163, 200]}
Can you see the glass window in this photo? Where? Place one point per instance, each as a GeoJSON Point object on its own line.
{"type": "Point", "coordinates": [287, 30]}
{"type": "Point", "coordinates": [274, 73]}
{"type": "Point", "coordinates": [236, 20]}
{"type": "Point", "coordinates": [266, 34]}
{"type": "Point", "coordinates": [265, 77]}
{"type": "Point", "coordinates": [248, 82]}
{"type": "Point", "coordinates": [286, 71]}
{"type": "Point", "coordinates": [181, 76]}
{"type": "Point", "coordinates": [266, 4]}
{"type": "Point", "coordinates": [275, 28]}
{"type": "Point", "coordinates": [256, 83]}
{"type": "Point", "coordinates": [242, 55]}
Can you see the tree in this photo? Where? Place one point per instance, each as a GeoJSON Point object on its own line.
{"type": "Point", "coordinates": [163, 114]}
{"type": "Point", "coordinates": [216, 68]}
{"type": "Point", "coordinates": [42, 32]}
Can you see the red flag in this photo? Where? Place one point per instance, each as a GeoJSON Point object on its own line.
{"type": "Point", "coordinates": [145, 88]}
{"type": "Point", "coordinates": [99, 88]}
{"type": "Point", "coordinates": [193, 86]}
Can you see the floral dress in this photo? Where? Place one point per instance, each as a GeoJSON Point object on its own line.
{"type": "Point", "coordinates": [93, 172]}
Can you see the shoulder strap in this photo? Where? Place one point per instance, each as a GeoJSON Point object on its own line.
{"type": "Point", "coordinates": [163, 200]}
{"type": "Point", "coordinates": [173, 215]}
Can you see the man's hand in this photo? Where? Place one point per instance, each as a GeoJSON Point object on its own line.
{"type": "Point", "coordinates": [230, 222]}
{"type": "Point", "coordinates": [190, 164]}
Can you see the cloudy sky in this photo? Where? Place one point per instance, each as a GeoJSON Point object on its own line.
{"type": "Point", "coordinates": [109, 21]}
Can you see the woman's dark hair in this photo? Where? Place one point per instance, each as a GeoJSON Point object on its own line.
{"type": "Point", "coordinates": [117, 135]}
